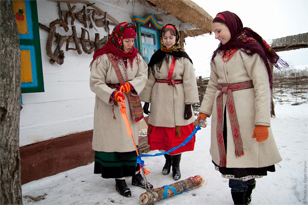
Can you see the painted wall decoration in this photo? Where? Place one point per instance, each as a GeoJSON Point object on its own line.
{"type": "Point", "coordinates": [30, 52]}
{"type": "Point", "coordinates": [150, 22]}
{"type": "Point", "coordinates": [89, 16]}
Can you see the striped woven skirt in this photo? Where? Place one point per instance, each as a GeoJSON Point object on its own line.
{"type": "Point", "coordinates": [115, 164]}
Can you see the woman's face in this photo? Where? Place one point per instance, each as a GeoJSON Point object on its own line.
{"type": "Point", "coordinates": [128, 44]}
{"type": "Point", "coordinates": [168, 39]}
{"type": "Point", "coordinates": [222, 32]}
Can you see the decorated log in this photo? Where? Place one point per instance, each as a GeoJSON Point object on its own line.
{"type": "Point", "coordinates": [167, 191]}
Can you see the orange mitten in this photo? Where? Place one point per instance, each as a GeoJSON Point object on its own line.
{"type": "Point", "coordinates": [201, 116]}
{"type": "Point", "coordinates": [117, 96]}
{"type": "Point", "coordinates": [125, 87]}
{"type": "Point", "coordinates": [260, 133]}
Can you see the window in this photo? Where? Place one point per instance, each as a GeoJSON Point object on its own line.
{"type": "Point", "coordinates": [148, 38]}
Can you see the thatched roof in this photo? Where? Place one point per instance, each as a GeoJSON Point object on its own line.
{"type": "Point", "coordinates": [290, 42]}
{"type": "Point", "coordinates": [188, 12]}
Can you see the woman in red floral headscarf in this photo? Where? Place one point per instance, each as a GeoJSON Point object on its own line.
{"type": "Point", "coordinates": [118, 73]}
{"type": "Point", "coordinates": [238, 97]}
{"type": "Point", "coordinates": [171, 90]}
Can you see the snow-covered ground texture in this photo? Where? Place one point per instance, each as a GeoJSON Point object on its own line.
{"type": "Point", "coordinates": [288, 185]}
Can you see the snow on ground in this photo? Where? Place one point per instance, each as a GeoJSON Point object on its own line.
{"type": "Point", "coordinates": [288, 185]}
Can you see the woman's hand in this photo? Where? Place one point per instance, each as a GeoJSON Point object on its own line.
{"type": "Point", "coordinates": [187, 112]}
{"type": "Point", "coordinates": [200, 117]}
{"type": "Point", "coordinates": [146, 108]}
{"type": "Point", "coordinates": [125, 87]}
{"type": "Point", "coordinates": [260, 133]}
{"type": "Point", "coordinates": [117, 96]}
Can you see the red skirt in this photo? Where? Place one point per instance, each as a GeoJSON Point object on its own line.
{"type": "Point", "coordinates": [165, 138]}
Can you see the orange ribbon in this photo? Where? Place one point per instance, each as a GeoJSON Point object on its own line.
{"type": "Point", "coordinates": [129, 131]}
{"type": "Point", "coordinates": [125, 118]}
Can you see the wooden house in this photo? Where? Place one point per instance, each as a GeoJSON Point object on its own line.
{"type": "Point", "coordinates": [57, 42]}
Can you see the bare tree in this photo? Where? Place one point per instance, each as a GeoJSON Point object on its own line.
{"type": "Point", "coordinates": [10, 90]}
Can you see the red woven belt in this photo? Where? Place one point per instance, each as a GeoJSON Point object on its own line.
{"type": "Point", "coordinates": [227, 89]}
{"type": "Point", "coordinates": [169, 81]}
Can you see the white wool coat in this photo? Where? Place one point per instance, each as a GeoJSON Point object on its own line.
{"type": "Point", "coordinates": [109, 134]}
{"type": "Point", "coordinates": [167, 102]}
{"type": "Point", "coordinates": [252, 108]}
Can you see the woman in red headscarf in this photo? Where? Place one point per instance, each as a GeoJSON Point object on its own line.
{"type": "Point", "coordinates": [238, 97]}
{"type": "Point", "coordinates": [171, 90]}
{"type": "Point", "coordinates": [118, 73]}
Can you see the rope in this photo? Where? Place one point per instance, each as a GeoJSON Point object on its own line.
{"type": "Point", "coordinates": [166, 187]}
{"type": "Point", "coordinates": [144, 171]}
{"type": "Point", "coordinates": [139, 160]}
{"type": "Point", "coordinates": [130, 133]}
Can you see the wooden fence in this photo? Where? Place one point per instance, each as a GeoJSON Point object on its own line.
{"type": "Point", "coordinates": [290, 42]}
{"type": "Point", "coordinates": [291, 89]}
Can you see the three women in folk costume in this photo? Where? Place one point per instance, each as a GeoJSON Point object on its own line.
{"type": "Point", "coordinates": [238, 98]}
{"type": "Point", "coordinates": [118, 73]}
{"type": "Point", "coordinates": [170, 91]}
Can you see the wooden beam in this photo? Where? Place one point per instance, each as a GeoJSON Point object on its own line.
{"type": "Point", "coordinates": [290, 42]}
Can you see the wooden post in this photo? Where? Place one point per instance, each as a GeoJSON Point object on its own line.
{"type": "Point", "coordinates": [10, 92]}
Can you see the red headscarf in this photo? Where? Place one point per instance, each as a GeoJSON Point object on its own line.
{"type": "Point", "coordinates": [249, 41]}
{"type": "Point", "coordinates": [115, 43]}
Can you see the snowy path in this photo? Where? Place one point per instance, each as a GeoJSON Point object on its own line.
{"type": "Point", "coordinates": [288, 185]}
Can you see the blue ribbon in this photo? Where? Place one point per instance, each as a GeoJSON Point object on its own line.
{"type": "Point", "coordinates": [166, 187]}
{"type": "Point", "coordinates": [140, 161]}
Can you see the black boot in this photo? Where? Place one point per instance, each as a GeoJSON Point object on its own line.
{"type": "Point", "coordinates": [167, 166]}
{"type": "Point", "coordinates": [249, 192]}
{"type": "Point", "coordinates": [176, 173]}
{"type": "Point", "coordinates": [138, 180]}
{"type": "Point", "coordinates": [122, 188]}
{"type": "Point", "coordinates": [239, 197]}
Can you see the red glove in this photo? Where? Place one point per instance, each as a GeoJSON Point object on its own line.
{"type": "Point", "coordinates": [201, 116]}
{"type": "Point", "coordinates": [125, 87]}
{"type": "Point", "coordinates": [117, 96]}
{"type": "Point", "coordinates": [260, 133]}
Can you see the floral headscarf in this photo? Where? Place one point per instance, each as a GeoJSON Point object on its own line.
{"type": "Point", "coordinates": [249, 41]}
{"type": "Point", "coordinates": [175, 50]}
{"type": "Point", "coordinates": [176, 47]}
{"type": "Point", "coordinates": [115, 43]}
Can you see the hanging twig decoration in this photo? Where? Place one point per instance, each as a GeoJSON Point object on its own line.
{"type": "Point", "coordinates": [89, 16]}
